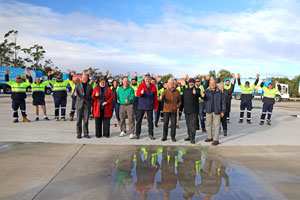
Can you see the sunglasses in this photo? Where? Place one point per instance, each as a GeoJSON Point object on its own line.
{"type": "Point", "coordinates": [18, 78]}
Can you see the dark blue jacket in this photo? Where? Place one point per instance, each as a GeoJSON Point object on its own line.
{"type": "Point", "coordinates": [148, 100]}
{"type": "Point", "coordinates": [219, 101]}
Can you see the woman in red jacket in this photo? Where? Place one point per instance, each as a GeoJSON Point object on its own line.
{"type": "Point", "coordinates": [102, 108]}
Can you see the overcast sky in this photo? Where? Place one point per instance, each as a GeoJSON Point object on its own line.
{"type": "Point", "coordinates": [179, 37]}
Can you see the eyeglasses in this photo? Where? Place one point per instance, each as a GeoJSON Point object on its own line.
{"type": "Point", "coordinates": [18, 78]}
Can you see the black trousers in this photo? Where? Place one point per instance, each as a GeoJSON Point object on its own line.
{"type": "Point", "coordinates": [16, 104]}
{"type": "Point", "coordinates": [140, 115]}
{"type": "Point", "coordinates": [167, 116]}
{"type": "Point", "coordinates": [191, 123]}
{"type": "Point", "coordinates": [83, 115]}
{"type": "Point", "coordinates": [102, 125]}
{"type": "Point", "coordinates": [224, 123]}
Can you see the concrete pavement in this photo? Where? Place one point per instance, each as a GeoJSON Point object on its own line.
{"type": "Point", "coordinates": [284, 130]}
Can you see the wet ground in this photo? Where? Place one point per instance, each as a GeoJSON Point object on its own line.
{"type": "Point", "coordinates": [78, 171]}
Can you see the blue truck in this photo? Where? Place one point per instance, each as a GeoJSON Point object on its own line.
{"type": "Point", "coordinates": [14, 72]}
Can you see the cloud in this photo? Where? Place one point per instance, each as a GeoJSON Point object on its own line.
{"type": "Point", "coordinates": [270, 35]}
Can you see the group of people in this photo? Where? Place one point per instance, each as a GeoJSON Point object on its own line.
{"type": "Point", "coordinates": [204, 101]}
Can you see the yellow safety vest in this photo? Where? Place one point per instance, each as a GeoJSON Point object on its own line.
{"type": "Point", "coordinates": [270, 93]}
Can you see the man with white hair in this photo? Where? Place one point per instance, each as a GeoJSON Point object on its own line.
{"type": "Point", "coordinates": [172, 102]}
{"type": "Point", "coordinates": [148, 102]}
{"type": "Point", "coordinates": [215, 107]}
{"type": "Point", "coordinates": [83, 93]}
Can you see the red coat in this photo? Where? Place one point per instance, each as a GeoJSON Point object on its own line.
{"type": "Point", "coordinates": [108, 108]}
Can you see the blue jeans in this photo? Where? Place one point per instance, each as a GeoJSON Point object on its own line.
{"type": "Point", "coordinates": [116, 106]}
{"type": "Point", "coordinates": [202, 114]}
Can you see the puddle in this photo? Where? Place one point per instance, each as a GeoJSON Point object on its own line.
{"type": "Point", "coordinates": [183, 173]}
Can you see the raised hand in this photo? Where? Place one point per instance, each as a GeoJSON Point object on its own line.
{"type": "Point", "coordinates": [72, 72]}
{"type": "Point", "coordinates": [69, 71]}
{"type": "Point", "coordinates": [158, 78]}
{"type": "Point", "coordinates": [28, 72]}
{"type": "Point", "coordinates": [109, 75]}
{"type": "Point", "coordinates": [7, 71]}
{"type": "Point", "coordinates": [233, 75]}
{"type": "Point", "coordinates": [186, 77]}
{"type": "Point", "coordinates": [238, 75]}
{"type": "Point", "coordinates": [207, 76]}
{"type": "Point", "coordinates": [135, 74]}
{"type": "Point", "coordinates": [172, 77]}
{"type": "Point", "coordinates": [202, 79]}
{"type": "Point", "coordinates": [257, 76]}
{"type": "Point", "coordinates": [276, 82]}
{"type": "Point", "coordinates": [107, 72]}
{"type": "Point", "coordinates": [198, 76]}
{"type": "Point", "coordinates": [49, 72]}
{"type": "Point", "coordinates": [266, 80]}
{"type": "Point", "coordinates": [194, 91]}
{"type": "Point", "coordinates": [219, 74]}
{"type": "Point", "coordinates": [89, 71]}
{"type": "Point", "coordinates": [127, 74]}
{"type": "Point", "coordinates": [121, 75]}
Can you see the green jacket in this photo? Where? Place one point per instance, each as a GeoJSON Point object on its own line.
{"type": "Point", "coordinates": [127, 93]}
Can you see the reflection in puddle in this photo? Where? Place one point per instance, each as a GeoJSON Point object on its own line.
{"type": "Point", "coordinates": [181, 173]}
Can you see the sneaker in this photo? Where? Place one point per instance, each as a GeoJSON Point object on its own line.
{"type": "Point", "coordinates": [37, 119]}
{"type": "Point", "coordinates": [187, 139]}
{"type": "Point", "coordinates": [163, 139]}
{"type": "Point", "coordinates": [193, 142]}
{"type": "Point", "coordinates": [136, 137]}
{"type": "Point", "coordinates": [174, 140]}
{"type": "Point", "coordinates": [46, 118]}
{"type": "Point", "coordinates": [78, 136]}
{"type": "Point", "coordinates": [261, 123]}
{"type": "Point", "coordinates": [122, 134]}
{"type": "Point", "coordinates": [131, 136]}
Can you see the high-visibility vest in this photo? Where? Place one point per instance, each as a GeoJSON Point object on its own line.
{"type": "Point", "coordinates": [111, 87]}
{"type": "Point", "coordinates": [135, 88]}
{"type": "Point", "coordinates": [18, 87]}
{"type": "Point", "coordinates": [180, 90]}
{"type": "Point", "coordinates": [227, 87]}
{"type": "Point", "coordinates": [73, 85]}
{"type": "Point", "coordinates": [247, 90]}
{"type": "Point", "coordinates": [93, 85]}
{"type": "Point", "coordinates": [201, 91]}
{"type": "Point", "coordinates": [59, 86]}
{"type": "Point", "coordinates": [270, 93]}
{"type": "Point", "coordinates": [39, 87]}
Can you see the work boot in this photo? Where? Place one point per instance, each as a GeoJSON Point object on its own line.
{"type": "Point", "coordinates": [241, 121]}
{"type": "Point", "coordinates": [46, 118]}
{"type": "Point", "coordinates": [228, 121]}
{"type": "Point", "coordinates": [269, 122]}
{"type": "Point", "coordinates": [63, 119]}
{"type": "Point", "coordinates": [249, 122]}
{"type": "Point", "coordinates": [261, 123]}
{"type": "Point", "coordinates": [203, 130]}
{"type": "Point", "coordinates": [187, 139]}
{"type": "Point", "coordinates": [16, 120]}
{"type": "Point", "coordinates": [156, 125]}
{"type": "Point", "coordinates": [56, 119]}
{"type": "Point", "coordinates": [25, 119]}
{"type": "Point", "coordinates": [37, 119]}
{"type": "Point", "coordinates": [71, 118]}
{"type": "Point", "coordinates": [225, 132]}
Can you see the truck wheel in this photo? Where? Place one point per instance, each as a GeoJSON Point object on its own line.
{"type": "Point", "coordinates": [278, 98]}
{"type": "Point", "coordinates": [238, 97]}
{"type": "Point", "coordinates": [48, 91]}
{"type": "Point", "coordinates": [7, 90]}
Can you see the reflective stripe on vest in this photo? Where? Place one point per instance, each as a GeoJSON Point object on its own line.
{"type": "Point", "coordinates": [57, 87]}
{"type": "Point", "coordinates": [19, 87]}
{"type": "Point", "coordinates": [270, 93]}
